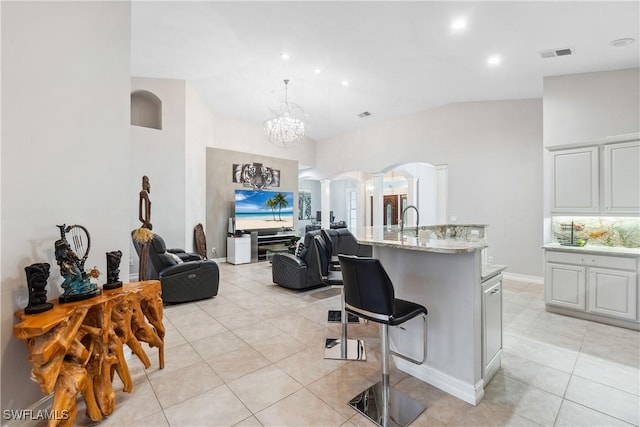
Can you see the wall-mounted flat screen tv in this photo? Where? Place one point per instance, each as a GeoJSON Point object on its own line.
{"type": "Point", "coordinates": [263, 209]}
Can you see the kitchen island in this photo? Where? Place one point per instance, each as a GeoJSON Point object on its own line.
{"type": "Point", "coordinates": [464, 301]}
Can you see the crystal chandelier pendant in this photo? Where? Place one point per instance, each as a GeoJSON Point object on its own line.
{"type": "Point", "coordinates": [287, 125]}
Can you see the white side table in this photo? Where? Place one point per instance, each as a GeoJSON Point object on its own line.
{"type": "Point", "coordinates": [239, 249]}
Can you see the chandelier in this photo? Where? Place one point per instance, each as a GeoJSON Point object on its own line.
{"type": "Point", "coordinates": [287, 125]}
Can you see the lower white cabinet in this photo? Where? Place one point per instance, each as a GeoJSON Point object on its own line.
{"type": "Point", "coordinates": [565, 285]}
{"type": "Point", "coordinates": [239, 250]}
{"type": "Point", "coordinates": [613, 292]}
{"type": "Point", "coordinates": [600, 285]}
{"type": "Point", "coordinates": [491, 326]}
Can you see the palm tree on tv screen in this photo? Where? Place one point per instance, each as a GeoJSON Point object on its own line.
{"type": "Point", "coordinates": [271, 203]}
{"type": "Point", "coordinates": [280, 201]}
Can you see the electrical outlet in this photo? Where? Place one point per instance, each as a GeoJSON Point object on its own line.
{"type": "Point", "coordinates": [213, 251]}
{"type": "Point", "coordinates": [490, 259]}
{"type": "Point", "coordinates": [130, 262]}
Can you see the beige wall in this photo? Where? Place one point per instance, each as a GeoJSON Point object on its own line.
{"type": "Point", "coordinates": [160, 155]}
{"type": "Point", "coordinates": [493, 150]}
{"type": "Point", "coordinates": [220, 190]}
{"type": "Point", "coordinates": [591, 106]}
{"type": "Point", "coordinates": [65, 150]}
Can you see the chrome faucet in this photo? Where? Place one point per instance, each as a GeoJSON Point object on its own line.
{"type": "Point", "coordinates": [404, 211]}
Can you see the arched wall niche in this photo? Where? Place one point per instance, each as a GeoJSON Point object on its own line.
{"type": "Point", "coordinates": [146, 109]}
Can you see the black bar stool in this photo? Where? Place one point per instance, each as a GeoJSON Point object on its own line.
{"type": "Point", "coordinates": [369, 293]}
{"type": "Point", "coordinates": [337, 348]}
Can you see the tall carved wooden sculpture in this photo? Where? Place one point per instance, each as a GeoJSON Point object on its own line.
{"type": "Point", "coordinates": [143, 235]}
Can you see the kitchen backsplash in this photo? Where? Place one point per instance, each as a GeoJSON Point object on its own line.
{"type": "Point", "coordinates": [605, 231]}
{"type": "Point", "coordinates": [467, 232]}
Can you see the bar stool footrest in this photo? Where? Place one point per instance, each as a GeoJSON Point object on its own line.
{"type": "Point", "coordinates": [335, 316]}
{"type": "Point", "coordinates": [403, 409]}
{"type": "Point", "coordinates": [355, 350]}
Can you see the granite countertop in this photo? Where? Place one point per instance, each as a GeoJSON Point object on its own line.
{"type": "Point", "coordinates": [490, 270]}
{"type": "Point", "coordinates": [391, 237]}
{"type": "Point", "coordinates": [595, 250]}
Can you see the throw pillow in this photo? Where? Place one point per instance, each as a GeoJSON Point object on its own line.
{"type": "Point", "coordinates": [175, 257]}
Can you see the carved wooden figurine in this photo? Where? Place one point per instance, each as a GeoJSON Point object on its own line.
{"type": "Point", "coordinates": [113, 270]}
{"type": "Point", "coordinates": [37, 275]}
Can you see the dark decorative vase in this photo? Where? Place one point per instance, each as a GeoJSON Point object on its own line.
{"type": "Point", "coordinates": [37, 275]}
{"type": "Point", "coordinates": [113, 271]}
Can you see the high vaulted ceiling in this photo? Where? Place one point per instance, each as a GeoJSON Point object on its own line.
{"type": "Point", "coordinates": [399, 57]}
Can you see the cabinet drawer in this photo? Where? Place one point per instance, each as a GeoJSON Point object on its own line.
{"type": "Point", "coordinates": [620, 263]}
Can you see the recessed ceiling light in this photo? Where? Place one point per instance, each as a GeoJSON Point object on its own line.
{"type": "Point", "coordinates": [622, 42]}
{"type": "Point", "coordinates": [494, 60]}
{"type": "Point", "coordinates": [459, 24]}
{"type": "Point", "coordinates": [317, 70]}
{"type": "Point", "coordinates": [345, 83]}
{"type": "Point", "coordinates": [285, 56]}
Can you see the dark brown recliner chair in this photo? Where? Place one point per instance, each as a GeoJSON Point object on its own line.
{"type": "Point", "coordinates": [183, 276]}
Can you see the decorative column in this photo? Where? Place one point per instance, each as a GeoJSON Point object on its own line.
{"type": "Point", "coordinates": [377, 206]}
{"type": "Point", "coordinates": [325, 202]}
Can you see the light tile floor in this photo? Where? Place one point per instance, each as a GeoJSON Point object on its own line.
{"type": "Point", "coordinates": [253, 356]}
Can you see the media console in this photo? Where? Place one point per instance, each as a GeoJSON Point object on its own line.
{"type": "Point", "coordinates": [273, 242]}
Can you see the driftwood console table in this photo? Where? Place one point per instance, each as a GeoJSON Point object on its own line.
{"type": "Point", "coordinates": [78, 347]}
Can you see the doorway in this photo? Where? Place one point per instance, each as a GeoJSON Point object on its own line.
{"type": "Point", "coordinates": [390, 216]}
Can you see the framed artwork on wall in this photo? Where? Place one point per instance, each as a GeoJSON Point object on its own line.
{"type": "Point", "coordinates": [304, 204]}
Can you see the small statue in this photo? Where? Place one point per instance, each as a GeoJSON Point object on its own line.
{"type": "Point", "coordinates": [113, 270]}
{"type": "Point", "coordinates": [37, 275]}
{"type": "Point", "coordinates": [76, 284]}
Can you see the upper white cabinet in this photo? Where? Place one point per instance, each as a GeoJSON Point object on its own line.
{"type": "Point", "coordinates": [576, 180]}
{"type": "Point", "coordinates": [581, 174]}
{"type": "Point", "coordinates": [621, 172]}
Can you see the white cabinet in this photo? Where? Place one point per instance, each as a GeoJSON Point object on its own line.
{"type": "Point", "coordinates": [239, 250]}
{"type": "Point", "coordinates": [580, 174]}
{"type": "Point", "coordinates": [621, 173]}
{"type": "Point", "coordinates": [575, 180]}
{"type": "Point", "coordinates": [565, 285]}
{"type": "Point", "coordinates": [612, 292]}
{"type": "Point", "coordinates": [491, 326]}
{"type": "Point", "coordinates": [600, 287]}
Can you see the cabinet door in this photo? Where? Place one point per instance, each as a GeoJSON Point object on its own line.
{"type": "Point", "coordinates": [492, 321]}
{"type": "Point", "coordinates": [613, 292]}
{"type": "Point", "coordinates": [576, 180]}
{"type": "Point", "coordinates": [565, 285]}
{"type": "Point", "coordinates": [622, 177]}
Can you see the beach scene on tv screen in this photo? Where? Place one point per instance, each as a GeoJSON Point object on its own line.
{"type": "Point", "coordinates": [263, 209]}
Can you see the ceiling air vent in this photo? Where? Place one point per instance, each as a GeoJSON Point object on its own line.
{"type": "Point", "coordinates": [364, 114]}
{"type": "Point", "coordinates": [552, 53]}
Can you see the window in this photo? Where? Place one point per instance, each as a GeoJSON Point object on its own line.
{"type": "Point", "coordinates": [352, 208]}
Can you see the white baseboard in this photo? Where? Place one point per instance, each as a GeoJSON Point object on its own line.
{"type": "Point", "coordinates": [523, 278]}
{"type": "Point", "coordinates": [470, 393]}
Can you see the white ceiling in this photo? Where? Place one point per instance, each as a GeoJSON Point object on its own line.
{"type": "Point", "coordinates": [399, 57]}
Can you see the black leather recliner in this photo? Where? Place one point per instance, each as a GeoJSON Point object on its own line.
{"type": "Point", "coordinates": [348, 245]}
{"type": "Point", "coordinates": [299, 271]}
{"type": "Point", "coordinates": [183, 276]}
{"type": "Point", "coordinates": [302, 271]}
